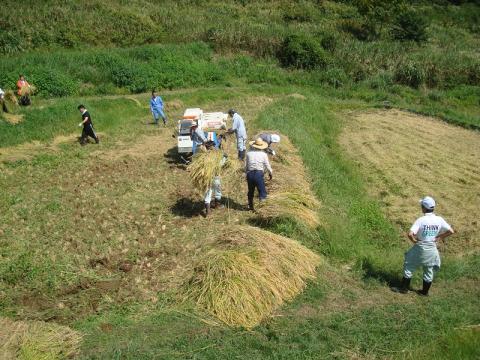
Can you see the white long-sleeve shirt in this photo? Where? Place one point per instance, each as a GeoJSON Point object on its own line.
{"type": "Point", "coordinates": [239, 126]}
{"type": "Point", "coordinates": [257, 160]}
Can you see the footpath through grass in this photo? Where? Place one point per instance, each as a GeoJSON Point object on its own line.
{"type": "Point", "coordinates": [347, 312]}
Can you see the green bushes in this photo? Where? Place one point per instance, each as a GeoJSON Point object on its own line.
{"type": "Point", "coordinates": [65, 73]}
{"type": "Point", "coordinates": [409, 25]}
{"type": "Point", "coordinates": [410, 74]}
{"type": "Point", "coordinates": [302, 52]}
{"type": "Point", "coordinates": [52, 83]}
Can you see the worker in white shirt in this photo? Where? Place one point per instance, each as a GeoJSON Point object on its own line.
{"type": "Point", "coordinates": [238, 127]}
{"type": "Point", "coordinates": [255, 166]}
{"type": "Point", "coordinates": [424, 234]}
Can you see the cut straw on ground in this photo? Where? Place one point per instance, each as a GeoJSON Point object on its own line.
{"type": "Point", "coordinates": [300, 207]}
{"type": "Point", "coordinates": [248, 274]}
{"type": "Point", "coordinates": [37, 340]}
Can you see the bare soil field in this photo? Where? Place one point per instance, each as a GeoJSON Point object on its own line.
{"type": "Point", "coordinates": [405, 157]}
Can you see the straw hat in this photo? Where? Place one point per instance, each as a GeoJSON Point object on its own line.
{"type": "Point", "coordinates": [259, 144]}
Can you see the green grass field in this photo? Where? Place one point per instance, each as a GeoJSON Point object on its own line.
{"type": "Point", "coordinates": [71, 216]}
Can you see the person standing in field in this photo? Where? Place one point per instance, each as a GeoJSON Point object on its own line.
{"type": "Point", "coordinates": [156, 107]}
{"type": "Point", "coordinates": [213, 195]}
{"type": "Point", "coordinates": [425, 232]}
{"type": "Point", "coordinates": [23, 90]}
{"type": "Point", "coordinates": [198, 137]}
{"type": "Point", "coordinates": [238, 127]}
{"type": "Point", "coordinates": [87, 126]}
{"type": "Point", "coordinates": [255, 166]}
{"type": "Point", "coordinates": [21, 84]}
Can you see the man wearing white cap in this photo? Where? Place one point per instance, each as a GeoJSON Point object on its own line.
{"type": "Point", "coordinates": [270, 139]}
{"type": "Point", "coordinates": [424, 234]}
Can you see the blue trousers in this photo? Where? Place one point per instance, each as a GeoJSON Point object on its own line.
{"type": "Point", "coordinates": [158, 113]}
{"type": "Point", "coordinates": [255, 181]}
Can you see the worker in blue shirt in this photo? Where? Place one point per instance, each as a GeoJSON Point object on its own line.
{"type": "Point", "coordinates": [156, 106]}
{"type": "Point", "coordinates": [198, 137]}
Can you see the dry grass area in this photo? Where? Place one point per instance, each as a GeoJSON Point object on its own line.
{"type": "Point", "coordinates": [125, 222]}
{"type": "Point", "coordinates": [406, 156]}
{"type": "Point", "coordinates": [290, 194]}
{"type": "Point", "coordinates": [29, 150]}
{"type": "Point", "coordinates": [13, 118]}
{"type": "Point", "coordinates": [37, 340]}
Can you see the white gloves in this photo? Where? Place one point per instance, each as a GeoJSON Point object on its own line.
{"type": "Point", "coordinates": [80, 125]}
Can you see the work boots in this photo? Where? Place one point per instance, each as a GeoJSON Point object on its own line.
{"type": "Point", "coordinates": [216, 204]}
{"type": "Point", "coordinates": [207, 209]}
{"type": "Point", "coordinates": [250, 204]}
{"type": "Point", "coordinates": [404, 286]}
{"type": "Point", "coordinates": [426, 287]}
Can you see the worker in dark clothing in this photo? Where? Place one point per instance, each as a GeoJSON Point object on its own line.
{"type": "Point", "coordinates": [87, 126]}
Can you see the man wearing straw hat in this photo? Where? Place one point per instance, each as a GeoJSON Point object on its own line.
{"type": "Point", "coordinates": [255, 165]}
{"type": "Point", "coordinates": [238, 127]}
{"type": "Point", "coordinates": [424, 233]}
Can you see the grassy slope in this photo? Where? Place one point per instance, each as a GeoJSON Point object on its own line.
{"type": "Point", "coordinates": [350, 314]}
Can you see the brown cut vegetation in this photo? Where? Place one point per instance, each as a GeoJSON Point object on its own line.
{"type": "Point", "coordinates": [35, 340]}
{"type": "Point", "coordinates": [406, 156]}
{"type": "Point", "coordinates": [248, 274]}
{"type": "Point", "coordinates": [289, 193]}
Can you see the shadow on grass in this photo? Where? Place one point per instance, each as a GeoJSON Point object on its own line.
{"type": "Point", "coordinates": [173, 157]}
{"type": "Point", "coordinates": [188, 208]}
{"type": "Point", "coordinates": [373, 271]}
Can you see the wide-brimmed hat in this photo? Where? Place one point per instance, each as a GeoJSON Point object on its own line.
{"type": "Point", "coordinates": [258, 144]}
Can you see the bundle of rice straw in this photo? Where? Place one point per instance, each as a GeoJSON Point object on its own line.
{"type": "Point", "coordinates": [249, 274]}
{"type": "Point", "coordinates": [27, 90]}
{"type": "Point", "coordinates": [11, 101]}
{"type": "Point", "coordinates": [298, 206]}
{"type": "Point", "coordinates": [205, 166]}
{"type": "Point", "coordinates": [37, 340]}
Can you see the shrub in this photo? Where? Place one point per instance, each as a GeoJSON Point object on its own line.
{"type": "Point", "coordinates": [52, 83]}
{"type": "Point", "coordinates": [409, 73]}
{"type": "Point", "coordinates": [9, 43]}
{"type": "Point", "coordinates": [409, 25]}
{"type": "Point", "coordinates": [329, 42]}
{"type": "Point", "coordinates": [381, 81]}
{"type": "Point", "coordinates": [362, 30]}
{"type": "Point", "coordinates": [302, 52]}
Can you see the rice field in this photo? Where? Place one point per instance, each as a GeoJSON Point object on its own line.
{"type": "Point", "coordinates": [405, 157]}
{"type": "Point", "coordinates": [115, 245]}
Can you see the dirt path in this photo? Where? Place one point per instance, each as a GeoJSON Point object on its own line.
{"type": "Point", "coordinates": [406, 156]}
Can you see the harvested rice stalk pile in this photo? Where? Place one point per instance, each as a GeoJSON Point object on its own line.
{"type": "Point", "coordinates": [28, 90]}
{"type": "Point", "coordinates": [11, 101]}
{"type": "Point", "coordinates": [34, 340]}
{"type": "Point", "coordinates": [300, 206]}
{"type": "Point", "coordinates": [204, 167]}
{"type": "Point", "coordinates": [289, 194]}
{"type": "Point", "coordinates": [208, 164]}
{"type": "Point", "coordinates": [249, 274]}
